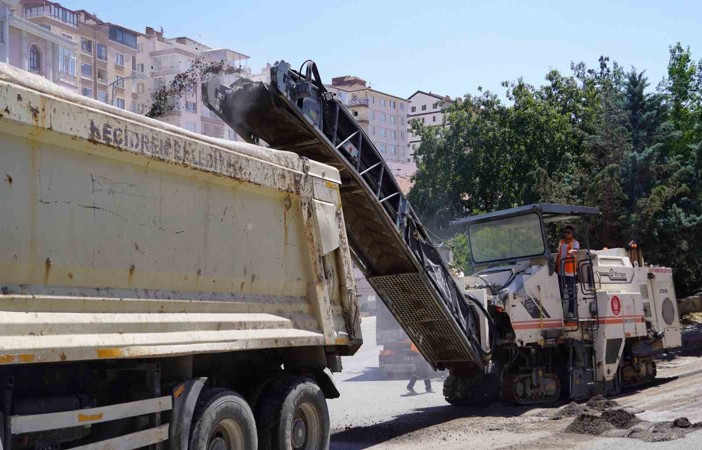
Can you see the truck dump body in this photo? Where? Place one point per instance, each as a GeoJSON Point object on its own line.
{"type": "Point", "coordinates": [294, 112]}
{"type": "Point", "coordinates": [125, 237]}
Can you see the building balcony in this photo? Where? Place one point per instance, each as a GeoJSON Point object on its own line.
{"type": "Point", "coordinates": [358, 102]}
{"type": "Point", "coordinates": [67, 78]}
{"type": "Point", "coordinates": [54, 12]}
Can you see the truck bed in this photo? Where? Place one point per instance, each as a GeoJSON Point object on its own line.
{"type": "Point", "coordinates": [125, 237]}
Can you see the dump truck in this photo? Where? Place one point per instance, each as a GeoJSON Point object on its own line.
{"type": "Point", "coordinates": [396, 356]}
{"type": "Point", "coordinates": [162, 288]}
{"type": "Point", "coordinates": [521, 331]}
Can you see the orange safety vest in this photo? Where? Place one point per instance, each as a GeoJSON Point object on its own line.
{"type": "Point", "coordinates": [569, 265]}
{"type": "Point", "coordinates": [414, 348]}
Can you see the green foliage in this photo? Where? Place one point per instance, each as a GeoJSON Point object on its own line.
{"type": "Point", "coordinates": [594, 137]}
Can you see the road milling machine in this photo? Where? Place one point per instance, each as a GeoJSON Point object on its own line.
{"type": "Point", "coordinates": [591, 338]}
{"type": "Point", "coordinates": [501, 331]}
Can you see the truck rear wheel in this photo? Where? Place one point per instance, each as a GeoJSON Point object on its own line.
{"type": "Point", "coordinates": [292, 414]}
{"type": "Point", "coordinates": [222, 421]}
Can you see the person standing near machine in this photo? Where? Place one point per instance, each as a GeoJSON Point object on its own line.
{"type": "Point", "coordinates": [422, 371]}
{"type": "Point", "coordinates": [566, 265]}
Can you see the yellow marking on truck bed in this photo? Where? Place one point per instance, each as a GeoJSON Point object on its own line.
{"type": "Point", "coordinates": [89, 417]}
{"type": "Point", "coordinates": [179, 391]}
{"type": "Point", "coordinates": [27, 358]}
{"type": "Point", "coordinates": [104, 353]}
{"type": "Point", "coordinates": [6, 359]}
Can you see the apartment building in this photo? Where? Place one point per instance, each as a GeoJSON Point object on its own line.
{"type": "Point", "coordinates": [383, 116]}
{"type": "Point", "coordinates": [34, 48]}
{"type": "Point", "coordinates": [427, 108]}
{"type": "Point", "coordinates": [163, 58]}
{"type": "Point", "coordinates": [100, 64]}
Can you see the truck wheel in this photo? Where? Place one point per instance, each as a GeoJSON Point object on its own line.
{"type": "Point", "coordinates": [222, 421]}
{"type": "Point", "coordinates": [292, 414]}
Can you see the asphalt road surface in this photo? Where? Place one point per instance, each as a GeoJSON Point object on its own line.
{"type": "Point", "coordinates": [377, 413]}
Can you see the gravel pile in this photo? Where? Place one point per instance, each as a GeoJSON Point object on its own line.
{"type": "Point", "coordinates": [665, 431]}
{"type": "Point", "coordinates": [620, 418]}
{"type": "Point", "coordinates": [589, 424]}
{"type": "Point", "coordinates": [600, 403]}
{"type": "Point", "coordinates": [572, 409]}
{"type": "Point", "coordinates": [605, 417]}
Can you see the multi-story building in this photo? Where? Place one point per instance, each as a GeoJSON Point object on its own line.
{"type": "Point", "coordinates": [382, 116]}
{"type": "Point", "coordinates": [100, 64]}
{"type": "Point", "coordinates": [427, 108]}
{"type": "Point", "coordinates": [163, 58]}
{"type": "Point", "coordinates": [35, 48]}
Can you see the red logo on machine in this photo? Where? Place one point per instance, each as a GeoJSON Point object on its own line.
{"type": "Point", "coordinates": [616, 305]}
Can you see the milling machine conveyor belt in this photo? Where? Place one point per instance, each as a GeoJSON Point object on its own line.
{"type": "Point", "coordinates": [295, 112]}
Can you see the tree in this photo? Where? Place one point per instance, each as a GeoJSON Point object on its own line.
{"type": "Point", "coordinates": [596, 137]}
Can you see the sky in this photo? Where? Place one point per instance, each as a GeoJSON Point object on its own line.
{"type": "Point", "coordinates": [447, 47]}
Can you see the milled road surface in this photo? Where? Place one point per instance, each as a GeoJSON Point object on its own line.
{"type": "Point", "coordinates": [376, 413]}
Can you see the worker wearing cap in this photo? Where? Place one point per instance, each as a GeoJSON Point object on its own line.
{"type": "Point", "coordinates": [567, 263]}
{"type": "Point", "coordinates": [422, 371]}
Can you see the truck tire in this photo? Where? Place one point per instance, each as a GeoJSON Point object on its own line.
{"type": "Point", "coordinates": [292, 414]}
{"type": "Point", "coordinates": [222, 421]}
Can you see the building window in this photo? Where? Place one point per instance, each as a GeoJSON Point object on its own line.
{"type": "Point", "coordinates": [140, 88]}
{"type": "Point", "coordinates": [134, 64]}
{"type": "Point", "coordinates": [422, 119]}
{"type": "Point", "coordinates": [119, 81]}
{"type": "Point", "coordinates": [119, 102]}
{"type": "Point", "coordinates": [231, 134]}
{"type": "Point", "coordinates": [433, 118]}
{"type": "Point", "coordinates": [435, 105]}
{"type": "Point", "coordinates": [392, 120]}
{"type": "Point", "coordinates": [102, 76]}
{"type": "Point", "coordinates": [87, 92]}
{"type": "Point", "coordinates": [373, 99]}
{"type": "Point", "coordinates": [191, 106]}
{"type": "Point", "coordinates": [355, 113]}
{"type": "Point", "coordinates": [2, 32]}
{"type": "Point", "coordinates": [67, 65]}
{"type": "Point", "coordinates": [383, 133]}
{"type": "Point", "coordinates": [382, 148]}
{"type": "Point", "coordinates": [414, 109]}
{"type": "Point", "coordinates": [86, 46]}
{"type": "Point", "coordinates": [394, 134]}
{"type": "Point", "coordinates": [123, 37]}
{"type": "Point", "coordinates": [191, 126]}
{"type": "Point", "coordinates": [140, 67]}
{"type": "Point", "coordinates": [424, 107]}
{"type": "Point", "coordinates": [382, 117]}
{"type": "Point", "coordinates": [372, 114]}
{"type": "Point", "coordinates": [67, 36]}
{"type": "Point", "coordinates": [373, 131]}
{"type": "Point", "coordinates": [394, 150]}
{"type": "Point", "coordinates": [34, 59]}
{"type": "Point", "coordinates": [102, 96]}
{"type": "Point", "coordinates": [393, 104]}
{"type": "Point", "coordinates": [119, 59]}
{"type": "Point", "coordinates": [101, 52]}
{"type": "Point", "coordinates": [86, 70]}
{"type": "Point", "coordinates": [402, 106]}
{"type": "Point", "coordinates": [402, 135]}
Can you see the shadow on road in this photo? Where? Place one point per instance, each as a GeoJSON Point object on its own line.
{"type": "Point", "coordinates": [356, 438]}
